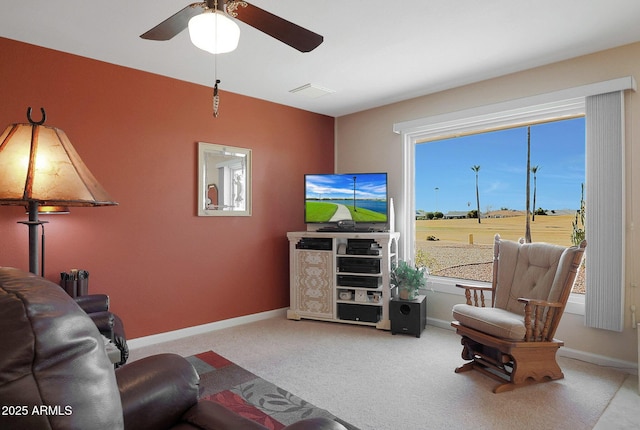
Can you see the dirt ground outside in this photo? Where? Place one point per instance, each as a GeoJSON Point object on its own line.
{"type": "Point", "coordinates": [462, 248]}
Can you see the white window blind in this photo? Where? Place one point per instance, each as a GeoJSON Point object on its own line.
{"type": "Point", "coordinates": [605, 211]}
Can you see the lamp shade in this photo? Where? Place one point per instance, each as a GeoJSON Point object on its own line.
{"type": "Point", "coordinates": [214, 32]}
{"type": "Point", "coordinates": [39, 164]}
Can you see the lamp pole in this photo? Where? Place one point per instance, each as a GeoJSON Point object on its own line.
{"type": "Point", "coordinates": [354, 194]}
{"type": "Point", "coordinates": [437, 189]}
{"type": "Point", "coordinates": [34, 252]}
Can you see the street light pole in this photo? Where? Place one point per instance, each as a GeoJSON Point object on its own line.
{"type": "Point", "coordinates": [354, 194]}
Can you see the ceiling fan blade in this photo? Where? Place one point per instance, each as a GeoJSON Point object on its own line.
{"type": "Point", "coordinates": [173, 25]}
{"type": "Point", "coordinates": [287, 32]}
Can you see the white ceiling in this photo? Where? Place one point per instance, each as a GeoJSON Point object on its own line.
{"type": "Point", "coordinates": [374, 52]}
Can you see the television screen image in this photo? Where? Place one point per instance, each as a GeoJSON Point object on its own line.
{"type": "Point", "coordinates": [359, 197]}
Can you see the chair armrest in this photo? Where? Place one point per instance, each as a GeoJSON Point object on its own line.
{"type": "Point", "coordinates": [536, 302]}
{"type": "Point", "coordinates": [104, 321]}
{"type": "Point", "coordinates": [156, 391]}
{"type": "Point", "coordinates": [120, 340]}
{"type": "Point", "coordinates": [478, 300]}
{"type": "Point", "coordinates": [538, 318]}
{"type": "Point", "coordinates": [93, 302]}
{"type": "Point", "coordinates": [474, 287]}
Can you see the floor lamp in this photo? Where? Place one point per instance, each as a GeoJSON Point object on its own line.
{"type": "Point", "coordinates": [40, 167]}
{"type": "Point", "coordinates": [45, 210]}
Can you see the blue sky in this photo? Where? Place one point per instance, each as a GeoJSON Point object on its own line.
{"type": "Point", "coordinates": [557, 148]}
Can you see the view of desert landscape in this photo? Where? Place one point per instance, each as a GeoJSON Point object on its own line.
{"type": "Point", "coordinates": [463, 248]}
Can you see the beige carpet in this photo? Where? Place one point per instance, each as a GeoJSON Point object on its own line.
{"type": "Point", "coordinates": [378, 381]}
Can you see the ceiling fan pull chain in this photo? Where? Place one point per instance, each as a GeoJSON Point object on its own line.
{"type": "Point", "coordinates": [216, 99]}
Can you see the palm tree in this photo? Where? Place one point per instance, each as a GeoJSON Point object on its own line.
{"type": "Point", "coordinates": [476, 169]}
{"type": "Point", "coordinates": [527, 230]}
{"type": "Point", "coordinates": [534, 170]}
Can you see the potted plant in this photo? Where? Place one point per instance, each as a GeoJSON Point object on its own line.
{"type": "Point", "coordinates": [408, 279]}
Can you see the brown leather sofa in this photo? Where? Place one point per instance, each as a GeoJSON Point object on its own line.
{"type": "Point", "coordinates": [55, 374]}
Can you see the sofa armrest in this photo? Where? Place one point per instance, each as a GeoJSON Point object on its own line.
{"type": "Point", "coordinates": [478, 301]}
{"type": "Point", "coordinates": [93, 302]}
{"type": "Point", "coordinates": [156, 391]}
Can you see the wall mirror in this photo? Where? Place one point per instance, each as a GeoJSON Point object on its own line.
{"type": "Point", "coordinates": [224, 180]}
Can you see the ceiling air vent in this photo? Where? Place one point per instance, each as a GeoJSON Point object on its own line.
{"type": "Point", "coordinates": [311, 91]}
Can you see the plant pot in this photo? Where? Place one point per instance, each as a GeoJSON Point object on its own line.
{"type": "Point", "coordinates": [407, 294]}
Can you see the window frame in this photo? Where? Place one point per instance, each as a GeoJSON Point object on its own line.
{"type": "Point", "coordinates": [558, 105]}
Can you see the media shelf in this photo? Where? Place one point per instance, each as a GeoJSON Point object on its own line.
{"type": "Point", "coordinates": [342, 276]}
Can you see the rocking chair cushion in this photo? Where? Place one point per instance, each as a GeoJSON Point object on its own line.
{"type": "Point", "coordinates": [493, 321]}
{"type": "Point", "coordinates": [530, 270]}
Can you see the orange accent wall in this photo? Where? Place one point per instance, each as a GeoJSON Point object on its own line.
{"type": "Point", "coordinates": [164, 267]}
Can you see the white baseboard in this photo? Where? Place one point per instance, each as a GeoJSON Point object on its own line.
{"type": "Point", "coordinates": [439, 323]}
{"type": "Point", "coordinates": [600, 360]}
{"type": "Point", "coordinates": [153, 339]}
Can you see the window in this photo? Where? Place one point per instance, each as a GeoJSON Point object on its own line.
{"type": "Point", "coordinates": [602, 104]}
{"type": "Point", "coordinates": [451, 240]}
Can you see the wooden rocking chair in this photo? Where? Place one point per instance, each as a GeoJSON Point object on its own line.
{"type": "Point", "coordinates": [512, 341]}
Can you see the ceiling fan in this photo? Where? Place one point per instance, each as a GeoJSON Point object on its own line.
{"type": "Point", "coordinates": [287, 32]}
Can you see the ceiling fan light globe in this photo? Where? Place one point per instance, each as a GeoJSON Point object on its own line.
{"type": "Point", "coordinates": [214, 32]}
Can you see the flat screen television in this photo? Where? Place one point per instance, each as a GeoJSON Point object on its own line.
{"type": "Point", "coordinates": [358, 197]}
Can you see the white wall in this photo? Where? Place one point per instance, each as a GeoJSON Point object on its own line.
{"type": "Point", "coordinates": [365, 142]}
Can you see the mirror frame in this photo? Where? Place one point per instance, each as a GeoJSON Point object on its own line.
{"type": "Point", "coordinates": [203, 185]}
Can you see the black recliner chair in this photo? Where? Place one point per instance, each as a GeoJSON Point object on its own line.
{"type": "Point", "coordinates": [55, 374]}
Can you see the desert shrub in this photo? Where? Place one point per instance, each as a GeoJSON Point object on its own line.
{"type": "Point", "coordinates": [423, 259]}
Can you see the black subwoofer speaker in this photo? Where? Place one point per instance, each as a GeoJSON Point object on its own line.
{"type": "Point", "coordinates": [408, 316]}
